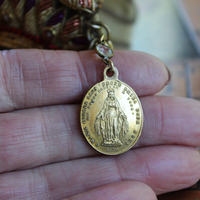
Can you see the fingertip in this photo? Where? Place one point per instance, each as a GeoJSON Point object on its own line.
{"type": "Point", "coordinates": [145, 73]}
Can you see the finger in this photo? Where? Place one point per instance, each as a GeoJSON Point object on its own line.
{"type": "Point", "coordinates": [40, 136]}
{"type": "Point", "coordinates": [170, 120]}
{"type": "Point", "coordinates": [126, 190]}
{"type": "Point", "coordinates": [163, 168]}
{"type": "Point", "coordinates": [31, 78]}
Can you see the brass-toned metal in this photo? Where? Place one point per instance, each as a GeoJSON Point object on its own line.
{"type": "Point", "coordinates": [104, 50]}
{"type": "Point", "coordinates": [109, 63]}
{"type": "Point", "coordinates": [111, 115]}
{"type": "Point", "coordinates": [106, 28]}
{"type": "Point", "coordinates": [95, 30]}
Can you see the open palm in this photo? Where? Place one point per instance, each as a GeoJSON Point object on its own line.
{"type": "Point", "coordinates": [43, 153]}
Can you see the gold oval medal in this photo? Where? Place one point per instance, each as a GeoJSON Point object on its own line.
{"type": "Point", "coordinates": [111, 116]}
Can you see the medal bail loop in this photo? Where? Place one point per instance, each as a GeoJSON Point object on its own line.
{"type": "Point", "coordinates": [114, 76]}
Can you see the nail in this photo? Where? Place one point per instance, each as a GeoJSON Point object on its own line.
{"type": "Point", "coordinates": [169, 75]}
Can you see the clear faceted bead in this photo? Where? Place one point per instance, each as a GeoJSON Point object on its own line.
{"type": "Point", "coordinates": [104, 51]}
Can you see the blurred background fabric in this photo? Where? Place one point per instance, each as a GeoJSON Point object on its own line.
{"type": "Point", "coordinates": [170, 30]}
{"type": "Point", "coordinates": [120, 16]}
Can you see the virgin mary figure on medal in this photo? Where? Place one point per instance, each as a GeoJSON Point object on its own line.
{"type": "Point", "coordinates": [111, 122]}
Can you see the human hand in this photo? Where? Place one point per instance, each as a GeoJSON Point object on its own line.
{"type": "Point", "coordinates": [43, 153]}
